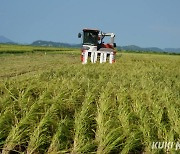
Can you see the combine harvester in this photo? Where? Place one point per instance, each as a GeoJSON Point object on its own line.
{"type": "Point", "coordinates": [94, 47]}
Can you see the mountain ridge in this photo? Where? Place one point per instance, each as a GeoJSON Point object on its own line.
{"type": "Point", "coordinates": [127, 48]}
{"type": "Point", "coordinates": [5, 40]}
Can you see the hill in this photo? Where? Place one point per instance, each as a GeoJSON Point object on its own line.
{"type": "Point", "coordinates": [53, 44]}
{"type": "Point", "coordinates": [175, 50]}
{"type": "Point", "coordinates": [127, 48]}
{"type": "Point", "coordinates": [137, 48]}
{"type": "Point", "coordinates": [4, 39]}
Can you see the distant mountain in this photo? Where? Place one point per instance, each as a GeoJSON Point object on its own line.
{"type": "Point", "coordinates": [3, 39]}
{"type": "Point", "coordinates": [137, 48]}
{"type": "Point", "coordinates": [53, 44]}
{"type": "Point", "coordinates": [175, 50]}
{"type": "Point", "coordinates": [126, 48]}
{"type": "Point", "coordinates": [130, 47]}
{"type": "Point", "coordinates": [153, 49]}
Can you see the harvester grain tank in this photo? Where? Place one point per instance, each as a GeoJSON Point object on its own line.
{"type": "Point", "coordinates": [94, 47]}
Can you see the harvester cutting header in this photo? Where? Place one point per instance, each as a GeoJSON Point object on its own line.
{"type": "Point", "coordinates": [94, 47]}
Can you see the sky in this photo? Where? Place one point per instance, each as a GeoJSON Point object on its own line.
{"type": "Point", "coordinates": [145, 23]}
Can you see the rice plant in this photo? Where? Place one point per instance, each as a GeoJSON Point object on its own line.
{"type": "Point", "coordinates": [53, 104]}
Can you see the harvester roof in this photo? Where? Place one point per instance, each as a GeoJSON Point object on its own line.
{"type": "Point", "coordinates": [87, 29]}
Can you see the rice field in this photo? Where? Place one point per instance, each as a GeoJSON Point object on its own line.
{"type": "Point", "coordinates": [51, 103]}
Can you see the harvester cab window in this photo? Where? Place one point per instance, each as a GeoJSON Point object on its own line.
{"type": "Point", "coordinates": [90, 38]}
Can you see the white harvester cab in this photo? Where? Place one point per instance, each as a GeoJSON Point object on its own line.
{"type": "Point", "coordinates": [94, 47]}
